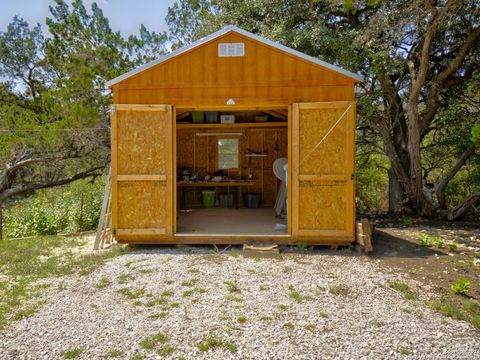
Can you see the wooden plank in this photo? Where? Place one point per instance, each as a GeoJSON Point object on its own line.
{"type": "Point", "coordinates": [141, 107]}
{"type": "Point", "coordinates": [324, 105]}
{"type": "Point", "coordinates": [289, 173]}
{"type": "Point", "coordinates": [141, 177]}
{"type": "Point", "coordinates": [142, 231]}
{"type": "Point", "coordinates": [114, 167]}
{"type": "Point", "coordinates": [101, 219]}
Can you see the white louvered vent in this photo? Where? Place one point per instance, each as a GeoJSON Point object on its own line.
{"type": "Point", "coordinates": [231, 49]}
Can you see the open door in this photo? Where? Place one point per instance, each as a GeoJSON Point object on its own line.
{"type": "Point", "coordinates": [142, 172]}
{"type": "Point", "coordinates": [323, 190]}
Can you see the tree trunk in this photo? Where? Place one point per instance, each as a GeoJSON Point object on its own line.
{"type": "Point", "coordinates": [467, 205]}
{"type": "Point", "coordinates": [395, 194]}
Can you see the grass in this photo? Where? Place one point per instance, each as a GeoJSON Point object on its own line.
{"type": "Point", "coordinates": [103, 283]}
{"type": "Point", "coordinates": [459, 308]}
{"type": "Point", "coordinates": [114, 354]}
{"type": "Point", "coordinates": [189, 283]}
{"type": "Point", "coordinates": [25, 262]}
{"type": "Point", "coordinates": [403, 288]}
{"type": "Point", "coordinates": [232, 286]}
{"type": "Point", "coordinates": [233, 298]}
{"type": "Point", "coordinates": [323, 315]}
{"type": "Point", "coordinates": [289, 326]}
{"type": "Point", "coordinates": [131, 294]}
{"type": "Point", "coordinates": [242, 319]}
{"type": "Point", "coordinates": [137, 357]}
{"type": "Point", "coordinates": [72, 353]}
{"type": "Point", "coordinates": [282, 307]}
{"type": "Point", "coordinates": [213, 342]}
{"type": "Point", "coordinates": [151, 342]}
{"type": "Point", "coordinates": [165, 351]}
{"type": "Point", "coordinates": [296, 296]}
{"type": "Point", "coordinates": [404, 351]}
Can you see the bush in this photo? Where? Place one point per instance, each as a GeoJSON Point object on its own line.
{"type": "Point", "coordinates": [56, 210]}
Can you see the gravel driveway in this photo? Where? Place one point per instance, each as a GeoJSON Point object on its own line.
{"type": "Point", "coordinates": [192, 303]}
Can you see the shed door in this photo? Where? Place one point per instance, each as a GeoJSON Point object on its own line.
{"type": "Point", "coordinates": [142, 188]}
{"type": "Point", "coordinates": [323, 172]}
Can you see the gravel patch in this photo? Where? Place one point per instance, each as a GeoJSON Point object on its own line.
{"type": "Point", "coordinates": [304, 306]}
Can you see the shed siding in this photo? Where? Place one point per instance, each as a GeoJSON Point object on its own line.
{"type": "Point", "coordinates": [264, 76]}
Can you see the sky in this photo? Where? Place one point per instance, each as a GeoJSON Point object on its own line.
{"type": "Point", "coordinates": [123, 15]}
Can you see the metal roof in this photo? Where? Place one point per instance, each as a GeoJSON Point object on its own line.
{"type": "Point", "coordinates": [225, 30]}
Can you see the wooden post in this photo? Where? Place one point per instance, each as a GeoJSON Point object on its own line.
{"type": "Point", "coordinates": [103, 211]}
{"type": "Point", "coordinates": [364, 236]}
{"type": "Point", "coordinates": [80, 221]}
{"type": "Point", "coordinates": [1, 220]}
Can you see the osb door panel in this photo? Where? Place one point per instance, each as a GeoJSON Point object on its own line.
{"type": "Point", "coordinates": [142, 187]}
{"type": "Point", "coordinates": [323, 171]}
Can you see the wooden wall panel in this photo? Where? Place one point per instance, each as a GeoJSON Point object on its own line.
{"type": "Point", "coordinates": [263, 76]}
{"type": "Point", "coordinates": [329, 157]}
{"type": "Point", "coordinates": [322, 206]}
{"type": "Point", "coordinates": [139, 203]}
{"type": "Point", "coordinates": [140, 151]}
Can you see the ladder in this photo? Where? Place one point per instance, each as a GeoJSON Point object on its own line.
{"type": "Point", "coordinates": [104, 228]}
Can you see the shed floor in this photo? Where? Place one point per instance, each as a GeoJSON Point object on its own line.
{"type": "Point", "coordinates": [241, 221]}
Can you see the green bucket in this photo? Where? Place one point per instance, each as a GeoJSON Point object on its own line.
{"type": "Point", "coordinates": [208, 197]}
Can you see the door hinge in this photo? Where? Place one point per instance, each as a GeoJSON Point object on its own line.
{"type": "Point", "coordinates": [352, 177]}
{"type": "Point", "coordinates": [114, 231]}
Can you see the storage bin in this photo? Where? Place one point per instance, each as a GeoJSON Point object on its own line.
{"type": "Point", "coordinates": [261, 118]}
{"type": "Point", "coordinates": [208, 197]}
{"type": "Point", "coordinates": [211, 116]}
{"type": "Point", "coordinates": [226, 200]}
{"type": "Point", "coordinates": [198, 116]}
{"type": "Point", "coordinates": [251, 200]}
{"type": "Point", "coordinates": [227, 119]}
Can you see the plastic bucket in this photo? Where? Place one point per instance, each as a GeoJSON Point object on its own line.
{"type": "Point", "coordinates": [208, 197]}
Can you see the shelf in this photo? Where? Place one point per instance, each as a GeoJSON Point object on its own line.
{"type": "Point", "coordinates": [256, 155]}
{"type": "Point", "coordinates": [233, 126]}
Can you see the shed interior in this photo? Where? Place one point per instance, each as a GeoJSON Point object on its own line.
{"type": "Point", "coordinates": [225, 178]}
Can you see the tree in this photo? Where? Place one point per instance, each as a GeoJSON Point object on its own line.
{"type": "Point", "coordinates": [417, 58]}
{"type": "Point", "coordinates": [54, 105]}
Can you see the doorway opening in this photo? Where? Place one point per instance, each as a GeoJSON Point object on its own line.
{"type": "Point", "coordinates": [231, 172]}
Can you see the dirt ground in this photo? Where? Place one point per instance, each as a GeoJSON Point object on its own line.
{"type": "Point", "coordinates": [397, 246]}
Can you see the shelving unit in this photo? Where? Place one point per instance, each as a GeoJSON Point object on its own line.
{"type": "Point", "coordinates": [233, 126]}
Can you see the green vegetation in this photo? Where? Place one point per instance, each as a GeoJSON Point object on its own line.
{"type": "Point", "coordinates": [131, 294]}
{"type": "Point", "coordinates": [190, 282]}
{"type": "Point", "coordinates": [153, 341]}
{"type": "Point", "coordinates": [431, 241]}
{"type": "Point", "coordinates": [408, 221]}
{"type": "Point", "coordinates": [115, 354]}
{"type": "Point", "coordinates": [55, 211]}
{"type": "Point", "coordinates": [323, 315]}
{"type": "Point", "coordinates": [72, 353]}
{"type": "Point", "coordinates": [26, 261]}
{"type": "Point", "coordinates": [403, 288]}
{"type": "Point", "coordinates": [242, 319]}
{"type": "Point", "coordinates": [404, 351]}
{"type": "Point", "coordinates": [124, 278]}
{"type": "Point", "coordinates": [213, 342]}
{"type": "Point", "coordinates": [460, 287]}
{"type": "Point", "coordinates": [459, 308]}
{"type": "Point", "coordinates": [232, 286]}
{"type": "Point", "coordinates": [103, 283]}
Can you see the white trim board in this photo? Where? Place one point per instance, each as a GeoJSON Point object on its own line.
{"type": "Point", "coordinates": [225, 30]}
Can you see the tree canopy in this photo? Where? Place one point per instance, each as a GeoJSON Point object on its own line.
{"type": "Point", "coordinates": [418, 108]}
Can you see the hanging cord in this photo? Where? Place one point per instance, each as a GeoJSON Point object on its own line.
{"type": "Point", "coordinates": [324, 137]}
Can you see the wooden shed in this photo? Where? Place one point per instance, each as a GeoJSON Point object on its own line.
{"type": "Point", "coordinates": [196, 133]}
